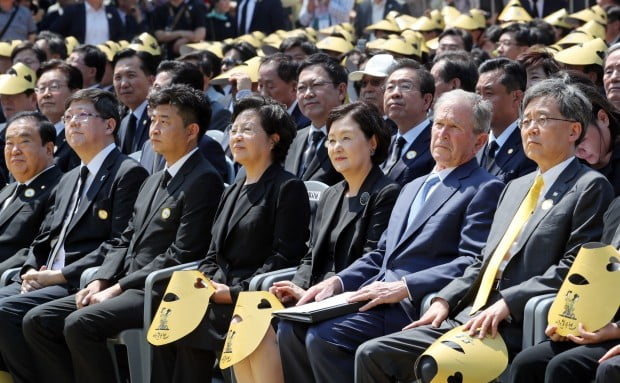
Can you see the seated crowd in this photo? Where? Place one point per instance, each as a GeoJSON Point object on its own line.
{"type": "Point", "coordinates": [463, 153]}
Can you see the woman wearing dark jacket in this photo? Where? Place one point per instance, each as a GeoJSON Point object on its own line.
{"type": "Point", "coordinates": [261, 225]}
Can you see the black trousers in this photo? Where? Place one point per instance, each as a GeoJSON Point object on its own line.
{"type": "Point", "coordinates": [15, 352]}
{"type": "Point", "coordinates": [69, 345]}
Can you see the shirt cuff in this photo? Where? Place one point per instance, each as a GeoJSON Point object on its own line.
{"type": "Point", "coordinates": [341, 284]}
{"type": "Point", "coordinates": [407, 287]}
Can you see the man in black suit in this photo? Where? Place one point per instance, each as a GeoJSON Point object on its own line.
{"type": "Point", "coordinates": [92, 205]}
{"type": "Point", "coordinates": [321, 86]}
{"type": "Point", "coordinates": [176, 72]}
{"type": "Point", "coordinates": [266, 16]}
{"type": "Point", "coordinates": [365, 15]}
{"type": "Point", "coordinates": [56, 81]}
{"type": "Point", "coordinates": [133, 76]}
{"type": "Point", "coordinates": [170, 225]}
{"type": "Point", "coordinates": [502, 81]}
{"type": "Point", "coordinates": [408, 96]}
{"type": "Point", "coordinates": [24, 203]}
{"type": "Point", "coordinates": [91, 22]}
{"type": "Point", "coordinates": [541, 221]}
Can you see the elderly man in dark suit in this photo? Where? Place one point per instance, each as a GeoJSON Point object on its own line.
{"type": "Point", "coordinates": [170, 225]}
{"type": "Point", "coordinates": [92, 205]}
{"type": "Point", "coordinates": [29, 157]}
{"type": "Point", "coordinates": [438, 224]}
{"type": "Point", "coordinates": [541, 222]}
{"type": "Point", "coordinates": [321, 86]}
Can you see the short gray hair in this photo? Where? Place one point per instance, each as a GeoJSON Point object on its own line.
{"type": "Point", "coordinates": [481, 108]}
{"type": "Point", "coordinates": [572, 103]}
{"type": "Point", "coordinates": [611, 50]}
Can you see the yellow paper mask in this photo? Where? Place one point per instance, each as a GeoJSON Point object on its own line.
{"type": "Point", "coordinates": [249, 325]}
{"type": "Point", "coordinates": [461, 358]}
{"type": "Point", "coordinates": [182, 308]}
{"type": "Point", "coordinates": [593, 278]}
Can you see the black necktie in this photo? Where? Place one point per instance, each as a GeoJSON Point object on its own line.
{"type": "Point", "coordinates": [535, 9]}
{"type": "Point", "coordinates": [130, 135]}
{"type": "Point", "coordinates": [81, 183]}
{"type": "Point", "coordinates": [397, 151]}
{"type": "Point", "coordinates": [310, 151]}
{"type": "Point", "coordinates": [163, 183]}
{"type": "Point", "coordinates": [489, 154]}
{"type": "Point", "coordinates": [243, 10]}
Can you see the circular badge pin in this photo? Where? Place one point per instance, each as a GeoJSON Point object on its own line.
{"type": "Point", "coordinates": [102, 214]}
{"type": "Point", "coordinates": [547, 204]}
{"type": "Point", "coordinates": [29, 192]}
{"type": "Point", "coordinates": [364, 198]}
{"type": "Point", "coordinates": [165, 213]}
{"type": "Point", "coordinates": [510, 150]}
{"type": "Point", "coordinates": [411, 154]}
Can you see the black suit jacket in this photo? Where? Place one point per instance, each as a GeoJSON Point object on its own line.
{"type": "Point", "coordinates": [141, 135]}
{"type": "Point", "coordinates": [209, 148]}
{"type": "Point", "coordinates": [320, 169]}
{"type": "Point", "coordinates": [103, 214]}
{"type": "Point", "coordinates": [268, 17]}
{"type": "Point", "coordinates": [510, 161]}
{"type": "Point", "coordinates": [420, 163]}
{"type": "Point", "coordinates": [64, 156]}
{"type": "Point", "coordinates": [549, 7]}
{"type": "Point", "coordinates": [22, 218]}
{"type": "Point", "coordinates": [300, 120]}
{"type": "Point", "coordinates": [265, 229]}
{"type": "Point", "coordinates": [356, 235]}
{"type": "Point", "coordinates": [363, 14]}
{"type": "Point", "coordinates": [72, 22]}
{"type": "Point", "coordinates": [173, 229]}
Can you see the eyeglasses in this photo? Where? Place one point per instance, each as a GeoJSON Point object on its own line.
{"type": "Point", "coordinates": [404, 86]}
{"type": "Point", "coordinates": [303, 88]}
{"type": "Point", "coordinates": [540, 121]}
{"type": "Point", "coordinates": [244, 131]}
{"type": "Point", "coordinates": [508, 43]}
{"type": "Point", "coordinates": [375, 82]}
{"type": "Point", "coordinates": [80, 117]}
{"type": "Point", "coordinates": [53, 87]}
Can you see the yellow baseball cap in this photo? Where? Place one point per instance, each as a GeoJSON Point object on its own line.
{"type": "Point", "coordinates": [588, 53]}
{"type": "Point", "coordinates": [335, 44]}
{"type": "Point", "coordinates": [558, 19]}
{"type": "Point", "coordinates": [383, 25]}
{"type": "Point", "coordinates": [18, 79]}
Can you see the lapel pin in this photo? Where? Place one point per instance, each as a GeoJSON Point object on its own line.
{"type": "Point", "coordinates": [55, 148]}
{"type": "Point", "coordinates": [555, 194]}
{"type": "Point", "coordinates": [110, 16]}
{"type": "Point", "coordinates": [102, 214]}
{"type": "Point", "coordinates": [547, 204]}
{"type": "Point", "coordinates": [364, 198]}
{"type": "Point", "coordinates": [29, 192]}
{"type": "Point", "coordinates": [510, 151]}
{"type": "Point", "coordinates": [165, 213]}
{"type": "Point", "coordinates": [42, 187]}
{"type": "Point", "coordinates": [103, 177]}
{"type": "Point", "coordinates": [411, 154]}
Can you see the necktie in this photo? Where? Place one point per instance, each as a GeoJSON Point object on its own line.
{"type": "Point", "coordinates": [163, 183]}
{"type": "Point", "coordinates": [421, 197]}
{"type": "Point", "coordinates": [243, 10]}
{"type": "Point", "coordinates": [128, 143]}
{"type": "Point", "coordinates": [397, 151]}
{"type": "Point", "coordinates": [310, 151]}
{"type": "Point", "coordinates": [16, 193]}
{"type": "Point", "coordinates": [489, 154]}
{"type": "Point", "coordinates": [535, 9]}
{"type": "Point", "coordinates": [523, 214]}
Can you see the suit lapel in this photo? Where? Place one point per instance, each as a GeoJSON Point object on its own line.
{"type": "Point", "coordinates": [13, 207]}
{"type": "Point", "coordinates": [122, 130]}
{"type": "Point", "coordinates": [330, 208]}
{"type": "Point", "coordinates": [299, 149]}
{"type": "Point", "coordinates": [508, 150]}
{"type": "Point", "coordinates": [420, 145]}
{"type": "Point", "coordinates": [315, 164]}
{"type": "Point", "coordinates": [142, 131]}
{"type": "Point", "coordinates": [400, 214]}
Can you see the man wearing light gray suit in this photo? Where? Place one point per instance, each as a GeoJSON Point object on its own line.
{"type": "Point", "coordinates": [565, 212]}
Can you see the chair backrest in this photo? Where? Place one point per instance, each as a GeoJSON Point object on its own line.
{"type": "Point", "coordinates": [217, 135]}
{"type": "Point", "coordinates": [315, 190]}
{"type": "Point", "coordinates": [231, 171]}
{"type": "Point", "coordinates": [136, 155]}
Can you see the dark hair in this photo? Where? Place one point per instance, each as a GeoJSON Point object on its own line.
{"type": "Point", "coordinates": [599, 102]}
{"type": "Point", "coordinates": [335, 71]}
{"type": "Point", "coordinates": [246, 50]}
{"type": "Point", "coordinates": [286, 67]}
{"type": "Point", "coordinates": [543, 58]}
{"type": "Point", "coordinates": [425, 79]}
{"type": "Point", "coordinates": [203, 61]}
{"type": "Point", "coordinates": [513, 77]}
{"type": "Point", "coordinates": [191, 105]}
{"type": "Point", "coordinates": [613, 13]}
{"type": "Point", "coordinates": [73, 74]}
{"type": "Point", "coordinates": [148, 62]}
{"type": "Point", "coordinates": [93, 58]}
{"type": "Point", "coordinates": [520, 33]}
{"type": "Point", "coordinates": [47, 132]}
{"type": "Point", "coordinates": [103, 101]}
{"type": "Point", "coordinates": [298, 41]}
{"type": "Point", "coordinates": [28, 46]}
{"type": "Point", "coordinates": [55, 43]}
{"type": "Point", "coordinates": [458, 64]}
{"type": "Point", "coordinates": [464, 35]}
{"type": "Point", "coordinates": [182, 73]}
{"type": "Point", "coordinates": [541, 32]}
{"type": "Point", "coordinates": [274, 120]}
{"type": "Point", "coordinates": [370, 122]}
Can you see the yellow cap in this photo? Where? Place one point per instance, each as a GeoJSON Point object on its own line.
{"type": "Point", "coordinates": [591, 52]}
{"type": "Point", "coordinates": [576, 37]}
{"type": "Point", "coordinates": [558, 19]}
{"type": "Point", "coordinates": [514, 11]}
{"type": "Point", "coordinates": [250, 39]}
{"type": "Point", "coordinates": [383, 25]}
{"type": "Point", "coordinates": [258, 35]}
{"type": "Point", "coordinates": [586, 15]}
{"type": "Point", "coordinates": [214, 47]}
{"type": "Point", "coordinates": [433, 43]}
{"type": "Point", "coordinates": [404, 21]}
{"type": "Point", "coordinates": [109, 54]}
{"type": "Point", "coordinates": [146, 43]}
{"type": "Point", "coordinates": [18, 79]}
{"type": "Point", "coordinates": [436, 16]}
{"type": "Point", "coordinates": [335, 44]}
{"type": "Point", "coordinates": [273, 40]}
{"type": "Point", "coordinates": [593, 28]}
{"type": "Point", "coordinates": [250, 67]}
{"type": "Point", "coordinates": [71, 43]}
{"type": "Point", "coordinates": [6, 47]}
{"type": "Point", "coordinates": [123, 43]}
{"type": "Point", "coordinates": [449, 13]}
{"type": "Point", "coordinates": [425, 24]}
{"type": "Point", "coordinates": [466, 22]}
{"type": "Point", "coordinates": [348, 27]}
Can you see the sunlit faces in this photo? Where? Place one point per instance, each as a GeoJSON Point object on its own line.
{"type": "Point", "coordinates": [372, 90]}
{"type": "Point", "coordinates": [611, 77]}
{"type": "Point", "coordinates": [450, 43]}
{"type": "Point", "coordinates": [441, 87]}
{"type": "Point", "coordinates": [13, 103]}
{"type": "Point", "coordinates": [85, 128]}
{"type": "Point", "coordinates": [317, 94]}
{"type": "Point", "coordinates": [24, 153]}
{"type": "Point", "coordinates": [508, 47]}
{"type": "Point", "coordinates": [403, 102]}
{"type": "Point", "coordinates": [52, 91]}
{"type": "Point", "coordinates": [348, 148]}
{"type": "Point", "coordinates": [28, 58]}
{"type": "Point", "coordinates": [453, 141]}
{"type": "Point", "coordinates": [595, 148]}
{"type": "Point", "coordinates": [249, 143]}
{"type": "Point", "coordinates": [271, 85]}
{"type": "Point", "coordinates": [505, 103]}
{"type": "Point", "coordinates": [76, 59]}
{"type": "Point", "coordinates": [552, 143]}
{"type": "Point", "coordinates": [131, 84]}
{"type": "Point", "coordinates": [296, 53]}
{"type": "Point", "coordinates": [535, 73]}
{"type": "Point", "coordinates": [168, 131]}
{"type": "Point", "coordinates": [161, 80]}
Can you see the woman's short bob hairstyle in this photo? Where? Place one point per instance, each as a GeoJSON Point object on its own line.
{"type": "Point", "coordinates": [370, 122]}
{"type": "Point", "coordinates": [274, 120]}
